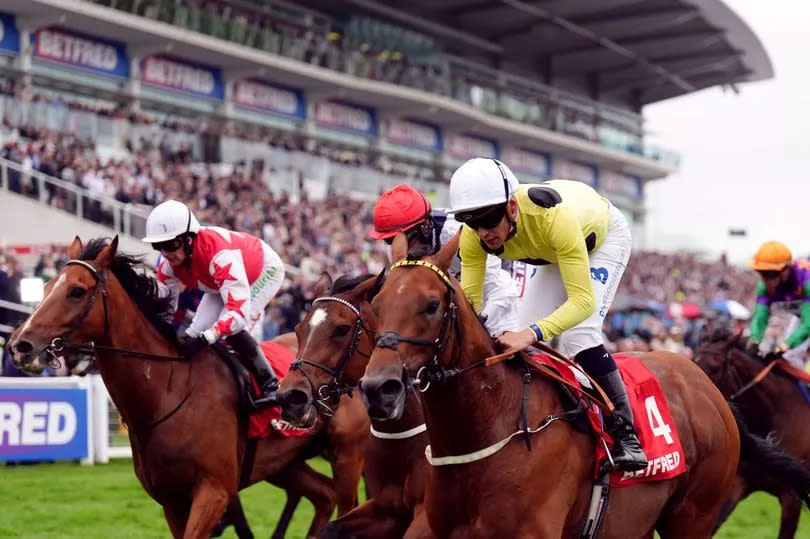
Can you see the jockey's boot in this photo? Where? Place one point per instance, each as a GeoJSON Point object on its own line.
{"type": "Point", "coordinates": [252, 357]}
{"type": "Point", "coordinates": [627, 453]}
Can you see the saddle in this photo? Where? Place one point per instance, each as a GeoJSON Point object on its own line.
{"type": "Point", "coordinates": [267, 421]}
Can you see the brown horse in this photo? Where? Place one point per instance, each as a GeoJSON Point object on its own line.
{"type": "Point", "coordinates": [188, 439]}
{"type": "Point", "coordinates": [339, 447]}
{"type": "Point", "coordinates": [775, 407]}
{"type": "Point", "coordinates": [428, 335]}
{"type": "Point", "coordinates": [336, 338]}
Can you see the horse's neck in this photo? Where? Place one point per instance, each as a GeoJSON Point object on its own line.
{"type": "Point", "coordinates": [477, 408]}
{"type": "Point", "coordinates": [769, 399]}
{"type": "Point", "coordinates": [138, 387]}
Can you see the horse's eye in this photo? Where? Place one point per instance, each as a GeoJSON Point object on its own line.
{"type": "Point", "coordinates": [432, 306]}
{"type": "Point", "coordinates": [77, 292]}
{"type": "Point", "coordinates": [341, 331]}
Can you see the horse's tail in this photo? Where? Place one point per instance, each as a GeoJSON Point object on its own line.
{"type": "Point", "coordinates": [786, 469]}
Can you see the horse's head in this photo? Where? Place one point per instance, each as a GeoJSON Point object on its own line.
{"type": "Point", "coordinates": [721, 355]}
{"type": "Point", "coordinates": [69, 309]}
{"type": "Point", "coordinates": [416, 321]}
{"type": "Point", "coordinates": [338, 329]}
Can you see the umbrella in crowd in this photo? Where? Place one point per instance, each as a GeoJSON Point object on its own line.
{"type": "Point", "coordinates": [732, 308]}
{"type": "Point", "coordinates": [683, 310]}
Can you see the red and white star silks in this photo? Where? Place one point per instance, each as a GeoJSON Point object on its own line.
{"type": "Point", "coordinates": [224, 263]}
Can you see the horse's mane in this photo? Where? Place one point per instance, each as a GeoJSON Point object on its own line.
{"type": "Point", "coordinates": [140, 287]}
{"type": "Point", "coordinates": [722, 334]}
{"type": "Point", "coordinates": [420, 252]}
{"type": "Point", "coordinates": [725, 336]}
{"type": "Point", "coordinates": [347, 282]}
{"type": "Point", "coordinates": [732, 340]}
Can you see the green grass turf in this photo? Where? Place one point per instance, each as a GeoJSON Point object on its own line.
{"type": "Point", "coordinates": [67, 500]}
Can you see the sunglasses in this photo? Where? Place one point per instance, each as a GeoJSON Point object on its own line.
{"type": "Point", "coordinates": [168, 245]}
{"type": "Point", "coordinates": [488, 218]}
{"type": "Point", "coordinates": [768, 275]}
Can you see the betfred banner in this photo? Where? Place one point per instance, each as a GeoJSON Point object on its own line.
{"type": "Point", "coordinates": [527, 162]}
{"type": "Point", "coordinates": [414, 134]}
{"type": "Point", "coordinates": [616, 183]}
{"type": "Point", "coordinates": [347, 117]}
{"type": "Point", "coordinates": [182, 76]}
{"type": "Point", "coordinates": [9, 36]}
{"type": "Point", "coordinates": [81, 51]}
{"type": "Point", "coordinates": [262, 96]}
{"type": "Point", "coordinates": [43, 424]}
{"type": "Point", "coordinates": [574, 170]}
{"type": "Point", "coordinates": [469, 146]}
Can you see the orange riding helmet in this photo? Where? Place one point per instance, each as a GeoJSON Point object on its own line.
{"type": "Point", "coordinates": [397, 210]}
{"type": "Point", "coordinates": [771, 256]}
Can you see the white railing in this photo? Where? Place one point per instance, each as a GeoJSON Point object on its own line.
{"type": "Point", "coordinates": [122, 218]}
{"type": "Point", "coordinates": [55, 115]}
{"type": "Point", "coordinates": [11, 306]}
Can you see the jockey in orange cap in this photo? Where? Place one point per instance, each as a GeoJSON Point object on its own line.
{"type": "Point", "coordinates": [783, 280]}
{"type": "Point", "coordinates": [405, 209]}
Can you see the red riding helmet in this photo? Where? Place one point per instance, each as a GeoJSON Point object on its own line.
{"type": "Point", "coordinates": [398, 210]}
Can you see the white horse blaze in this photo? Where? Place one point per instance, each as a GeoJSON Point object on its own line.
{"type": "Point", "coordinates": [318, 316]}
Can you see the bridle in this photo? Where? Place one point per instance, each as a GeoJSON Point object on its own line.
{"type": "Point", "coordinates": [336, 387]}
{"type": "Point", "coordinates": [433, 371]}
{"type": "Point", "coordinates": [59, 345]}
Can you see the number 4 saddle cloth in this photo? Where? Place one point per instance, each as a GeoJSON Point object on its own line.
{"type": "Point", "coordinates": [653, 421]}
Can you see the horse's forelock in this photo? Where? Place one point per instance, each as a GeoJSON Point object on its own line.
{"type": "Point", "coordinates": [141, 288]}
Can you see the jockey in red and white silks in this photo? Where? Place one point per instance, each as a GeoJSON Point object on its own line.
{"type": "Point", "coordinates": [238, 273]}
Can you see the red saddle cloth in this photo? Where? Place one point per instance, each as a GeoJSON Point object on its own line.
{"type": "Point", "coordinates": [653, 421]}
{"type": "Point", "coordinates": [268, 421]}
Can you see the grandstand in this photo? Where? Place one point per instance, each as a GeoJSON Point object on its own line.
{"type": "Point", "coordinates": [380, 92]}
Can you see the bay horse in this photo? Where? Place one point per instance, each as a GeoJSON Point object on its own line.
{"type": "Point", "coordinates": [187, 437]}
{"type": "Point", "coordinates": [335, 340]}
{"type": "Point", "coordinates": [429, 335]}
{"type": "Point", "coordinates": [774, 407]}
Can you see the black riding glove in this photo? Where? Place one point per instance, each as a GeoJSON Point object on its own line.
{"type": "Point", "coordinates": [189, 346]}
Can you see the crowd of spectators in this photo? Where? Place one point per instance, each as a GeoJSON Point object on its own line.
{"type": "Point", "coordinates": [372, 49]}
{"type": "Point", "coordinates": [328, 234]}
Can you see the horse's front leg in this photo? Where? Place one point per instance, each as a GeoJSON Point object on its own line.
{"type": "Point", "coordinates": [207, 506]}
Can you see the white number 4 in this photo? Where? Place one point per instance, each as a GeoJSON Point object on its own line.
{"type": "Point", "coordinates": [659, 428]}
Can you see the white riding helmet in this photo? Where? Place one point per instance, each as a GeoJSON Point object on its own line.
{"type": "Point", "coordinates": [169, 220]}
{"type": "Point", "coordinates": [481, 182]}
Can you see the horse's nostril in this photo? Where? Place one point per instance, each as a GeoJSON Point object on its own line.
{"type": "Point", "coordinates": [296, 398]}
{"type": "Point", "coordinates": [23, 347]}
{"type": "Point", "coordinates": [391, 387]}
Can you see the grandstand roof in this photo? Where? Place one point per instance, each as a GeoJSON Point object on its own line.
{"type": "Point", "coordinates": [629, 51]}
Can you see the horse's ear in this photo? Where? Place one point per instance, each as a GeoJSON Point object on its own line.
{"type": "Point", "coordinates": [705, 335]}
{"type": "Point", "coordinates": [366, 290]}
{"type": "Point", "coordinates": [107, 254]}
{"type": "Point", "coordinates": [736, 338]}
{"type": "Point", "coordinates": [444, 258]}
{"type": "Point", "coordinates": [75, 248]}
{"type": "Point", "coordinates": [323, 285]}
{"type": "Point", "coordinates": [399, 248]}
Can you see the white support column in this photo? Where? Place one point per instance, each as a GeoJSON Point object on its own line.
{"type": "Point", "coordinates": [133, 86]}
{"type": "Point", "coordinates": [24, 60]}
{"type": "Point", "coordinates": [87, 385]}
{"type": "Point", "coordinates": [100, 420]}
{"type": "Point", "coordinates": [226, 107]}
